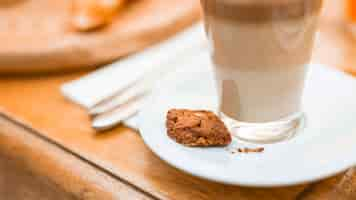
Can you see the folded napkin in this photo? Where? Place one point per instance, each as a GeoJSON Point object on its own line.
{"type": "Point", "coordinates": [93, 88]}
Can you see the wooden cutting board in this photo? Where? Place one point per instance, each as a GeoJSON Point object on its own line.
{"type": "Point", "coordinates": [36, 35]}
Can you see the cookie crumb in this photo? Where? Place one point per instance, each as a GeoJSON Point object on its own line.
{"type": "Point", "coordinates": [251, 150]}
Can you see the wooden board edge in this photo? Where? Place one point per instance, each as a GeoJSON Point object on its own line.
{"type": "Point", "coordinates": [56, 167]}
{"type": "Point", "coordinates": [47, 62]}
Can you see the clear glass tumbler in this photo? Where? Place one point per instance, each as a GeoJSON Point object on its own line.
{"type": "Point", "coordinates": [261, 50]}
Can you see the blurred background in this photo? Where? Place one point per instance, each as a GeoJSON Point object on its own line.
{"type": "Point", "coordinates": [335, 44]}
{"type": "Point", "coordinates": [56, 36]}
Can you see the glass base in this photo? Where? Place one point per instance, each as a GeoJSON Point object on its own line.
{"type": "Point", "coordinates": [269, 132]}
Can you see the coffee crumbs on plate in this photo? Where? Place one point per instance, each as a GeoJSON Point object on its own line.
{"type": "Point", "coordinates": [250, 150]}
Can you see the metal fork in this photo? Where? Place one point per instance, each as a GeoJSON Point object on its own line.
{"type": "Point", "coordinates": [127, 103]}
{"type": "Point", "coordinates": [116, 92]}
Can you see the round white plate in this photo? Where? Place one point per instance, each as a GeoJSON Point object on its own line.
{"type": "Point", "coordinates": [325, 147]}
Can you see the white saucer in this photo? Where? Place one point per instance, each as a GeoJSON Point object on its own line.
{"type": "Point", "coordinates": [325, 147]}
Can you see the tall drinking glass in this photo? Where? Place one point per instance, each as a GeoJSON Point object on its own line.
{"type": "Point", "coordinates": [261, 50]}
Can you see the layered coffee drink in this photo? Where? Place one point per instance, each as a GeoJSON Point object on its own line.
{"type": "Point", "coordinates": [261, 50]}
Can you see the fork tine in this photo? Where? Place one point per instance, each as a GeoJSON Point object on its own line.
{"type": "Point", "coordinates": [119, 100]}
{"type": "Point", "coordinates": [113, 118]}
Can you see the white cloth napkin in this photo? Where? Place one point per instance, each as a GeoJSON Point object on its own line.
{"type": "Point", "coordinates": [94, 87]}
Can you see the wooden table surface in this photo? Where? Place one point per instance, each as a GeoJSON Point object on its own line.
{"type": "Point", "coordinates": [49, 151]}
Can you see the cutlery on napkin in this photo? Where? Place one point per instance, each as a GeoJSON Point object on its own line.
{"type": "Point", "coordinates": [116, 92]}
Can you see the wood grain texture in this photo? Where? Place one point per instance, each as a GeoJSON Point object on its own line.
{"type": "Point", "coordinates": [36, 101]}
{"type": "Point", "coordinates": [37, 36]}
{"type": "Point", "coordinates": [32, 168]}
{"type": "Point", "coordinates": [341, 187]}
